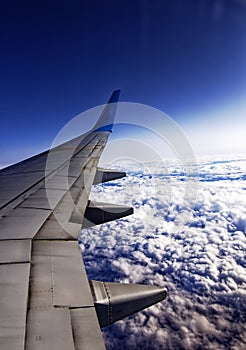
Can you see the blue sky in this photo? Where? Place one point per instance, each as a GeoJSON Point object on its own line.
{"type": "Point", "coordinates": [186, 58]}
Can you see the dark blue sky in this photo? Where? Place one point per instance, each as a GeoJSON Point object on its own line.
{"type": "Point", "coordinates": [58, 58]}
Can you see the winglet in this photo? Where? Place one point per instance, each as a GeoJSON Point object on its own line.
{"type": "Point", "coordinates": [114, 98]}
{"type": "Point", "coordinates": [106, 120]}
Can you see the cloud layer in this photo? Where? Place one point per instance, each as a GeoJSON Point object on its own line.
{"type": "Point", "coordinates": [194, 248]}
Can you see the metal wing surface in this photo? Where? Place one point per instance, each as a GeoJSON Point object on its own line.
{"type": "Point", "coordinates": [46, 300]}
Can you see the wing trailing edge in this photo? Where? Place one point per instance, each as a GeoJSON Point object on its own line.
{"type": "Point", "coordinates": [114, 301]}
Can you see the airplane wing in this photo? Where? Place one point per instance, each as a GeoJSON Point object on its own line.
{"type": "Point", "coordinates": [46, 300]}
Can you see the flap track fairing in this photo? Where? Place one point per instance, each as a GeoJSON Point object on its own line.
{"type": "Point", "coordinates": [98, 213]}
{"type": "Point", "coordinates": [114, 301]}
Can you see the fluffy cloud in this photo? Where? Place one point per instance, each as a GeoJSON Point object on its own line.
{"type": "Point", "coordinates": [194, 248]}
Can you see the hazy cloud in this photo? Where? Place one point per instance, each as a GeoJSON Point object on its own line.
{"type": "Point", "coordinates": [201, 261]}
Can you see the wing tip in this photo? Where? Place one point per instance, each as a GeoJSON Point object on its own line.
{"type": "Point", "coordinates": [114, 98]}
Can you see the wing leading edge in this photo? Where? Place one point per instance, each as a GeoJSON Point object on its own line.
{"type": "Point", "coordinates": [46, 299]}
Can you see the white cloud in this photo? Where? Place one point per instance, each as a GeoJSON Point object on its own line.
{"type": "Point", "coordinates": [201, 261]}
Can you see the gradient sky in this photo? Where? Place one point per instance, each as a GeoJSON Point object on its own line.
{"type": "Point", "coordinates": [186, 58]}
